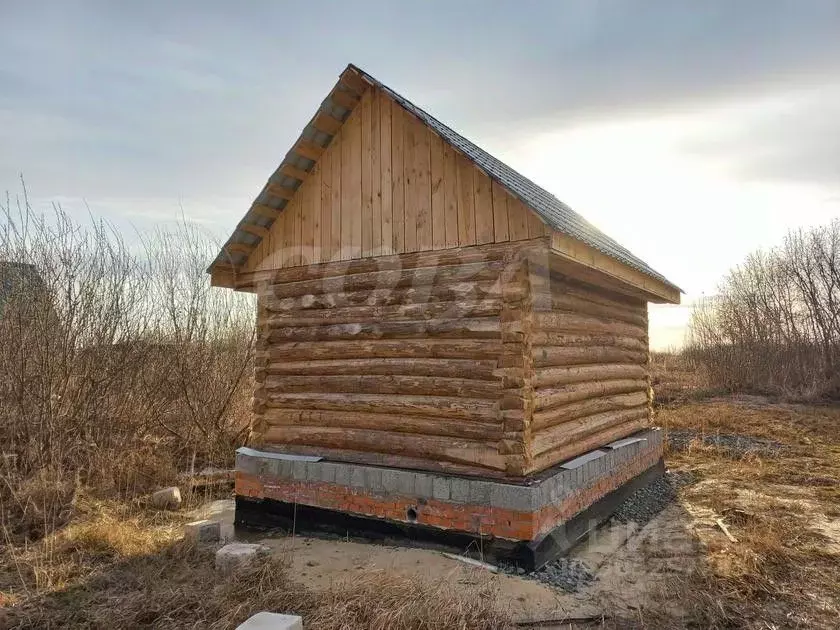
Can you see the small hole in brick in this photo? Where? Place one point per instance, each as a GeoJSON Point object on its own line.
{"type": "Point", "coordinates": [411, 515]}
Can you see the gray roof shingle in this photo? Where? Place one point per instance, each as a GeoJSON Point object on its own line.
{"type": "Point", "coordinates": [553, 212]}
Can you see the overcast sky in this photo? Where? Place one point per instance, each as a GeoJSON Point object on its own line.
{"type": "Point", "coordinates": [692, 132]}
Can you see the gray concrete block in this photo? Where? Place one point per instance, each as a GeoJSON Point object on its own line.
{"type": "Point", "coordinates": [479, 492]}
{"type": "Point", "coordinates": [265, 467]}
{"type": "Point", "coordinates": [205, 531]}
{"type": "Point", "coordinates": [271, 621]}
{"type": "Point", "coordinates": [342, 474]}
{"type": "Point", "coordinates": [327, 472]}
{"type": "Point", "coordinates": [166, 499]}
{"type": "Point", "coordinates": [373, 480]}
{"type": "Point", "coordinates": [357, 476]}
{"type": "Point", "coordinates": [313, 471]}
{"type": "Point", "coordinates": [510, 497]}
{"type": "Point", "coordinates": [299, 470]}
{"type": "Point", "coordinates": [440, 488]}
{"type": "Point", "coordinates": [423, 485]}
{"type": "Point", "coordinates": [236, 555]}
{"type": "Point", "coordinates": [459, 490]}
{"type": "Point", "coordinates": [398, 482]}
{"type": "Point", "coordinates": [284, 468]}
{"type": "Point", "coordinates": [246, 464]}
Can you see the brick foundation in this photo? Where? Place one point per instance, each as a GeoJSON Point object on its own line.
{"type": "Point", "coordinates": [525, 511]}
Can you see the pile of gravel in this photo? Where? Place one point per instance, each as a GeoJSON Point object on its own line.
{"type": "Point", "coordinates": [641, 506]}
{"type": "Point", "coordinates": [733, 445]}
{"type": "Point", "coordinates": [567, 574]}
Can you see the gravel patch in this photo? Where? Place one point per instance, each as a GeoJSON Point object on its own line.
{"type": "Point", "coordinates": [733, 445]}
{"type": "Point", "coordinates": [641, 506]}
{"type": "Point", "coordinates": [567, 574]}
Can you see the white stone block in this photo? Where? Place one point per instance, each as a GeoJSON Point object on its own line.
{"type": "Point", "coordinates": [235, 555]}
{"type": "Point", "coordinates": [272, 621]}
{"type": "Point", "coordinates": [203, 531]}
{"type": "Point", "coordinates": [166, 499]}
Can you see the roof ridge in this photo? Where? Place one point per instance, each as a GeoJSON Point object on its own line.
{"type": "Point", "coordinates": [554, 212]}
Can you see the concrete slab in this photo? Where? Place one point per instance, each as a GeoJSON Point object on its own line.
{"type": "Point", "coordinates": [272, 621]}
{"type": "Point", "coordinates": [236, 555]}
{"type": "Point", "coordinates": [204, 531]}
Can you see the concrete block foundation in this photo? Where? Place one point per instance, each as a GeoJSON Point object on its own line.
{"type": "Point", "coordinates": [526, 521]}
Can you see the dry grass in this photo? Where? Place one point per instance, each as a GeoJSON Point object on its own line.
{"type": "Point", "coordinates": [783, 510]}
{"type": "Point", "coordinates": [118, 565]}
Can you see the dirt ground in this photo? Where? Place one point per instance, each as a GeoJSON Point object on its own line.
{"type": "Point", "coordinates": [631, 566]}
{"type": "Point", "coordinates": [774, 562]}
{"type": "Point", "coordinates": [782, 512]}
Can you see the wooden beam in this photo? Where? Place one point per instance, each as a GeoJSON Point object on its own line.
{"type": "Point", "coordinates": [266, 211]}
{"type": "Point", "coordinates": [256, 230]}
{"type": "Point", "coordinates": [231, 248]}
{"type": "Point", "coordinates": [276, 190]}
{"type": "Point", "coordinates": [354, 81]}
{"type": "Point", "coordinates": [308, 149]}
{"type": "Point", "coordinates": [345, 99]}
{"type": "Point", "coordinates": [291, 171]}
{"type": "Point", "coordinates": [326, 123]}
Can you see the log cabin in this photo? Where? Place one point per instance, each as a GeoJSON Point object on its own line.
{"type": "Point", "coordinates": [443, 347]}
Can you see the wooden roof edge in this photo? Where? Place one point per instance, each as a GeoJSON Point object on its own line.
{"type": "Point", "coordinates": [652, 289]}
{"type": "Point", "coordinates": [346, 94]}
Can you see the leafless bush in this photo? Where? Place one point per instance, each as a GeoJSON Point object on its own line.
{"type": "Point", "coordinates": [119, 365]}
{"type": "Point", "coordinates": [774, 327]}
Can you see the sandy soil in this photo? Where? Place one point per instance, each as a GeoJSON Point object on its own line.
{"type": "Point", "coordinates": [633, 566]}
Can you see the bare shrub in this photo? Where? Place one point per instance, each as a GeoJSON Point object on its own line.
{"type": "Point", "coordinates": [119, 365]}
{"type": "Point", "coordinates": [774, 326]}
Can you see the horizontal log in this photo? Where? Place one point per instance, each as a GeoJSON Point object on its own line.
{"type": "Point", "coordinates": [563, 355]}
{"type": "Point", "coordinates": [568, 451]}
{"type": "Point", "coordinates": [587, 407]}
{"type": "Point", "coordinates": [505, 252]}
{"type": "Point", "coordinates": [386, 459]}
{"type": "Point", "coordinates": [588, 324]}
{"type": "Point", "coordinates": [596, 294]}
{"type": "Point", "coordinates": [463, 408]}
{"type": "Point", "coordinates": [549, 338]}
{"type": "Point", "coordinates": [485, 370]}
{"type": "Point", "coordinates": [383, 349]}
{"type": "Point", "coordinates": [458, 292]}
{"type": "Point", "coordinates": [384, 384]}
{"type": "Point", "coordinates": [478, 328]}
{"type": "Point", "coordinates": [459, 451]}
{"type": "Point", "coordinates": [552, 376]}
{"type": "Point", "coordinates": [568, 303]}
{"type": "Point", "coordinates": [392, 312]}
{"type": "Point", "coordinates": [581, 428]}
{"type": "Point", "coordinates": [389, 279]}
{"type": "Point", "coordinates": [403, 423]}
{"type": "Point", "coordinates": [549, 398]}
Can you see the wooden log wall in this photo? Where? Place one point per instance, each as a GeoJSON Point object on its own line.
{"type": "Point", "coordinates": [387, 184]}
{"type": "Point", "coordinates": [396, 361]}
{"type": "Point", "coordinates": [590, 382]}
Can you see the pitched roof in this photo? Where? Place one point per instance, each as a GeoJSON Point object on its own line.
{"type": "Point", "coordinates": [551, 210]}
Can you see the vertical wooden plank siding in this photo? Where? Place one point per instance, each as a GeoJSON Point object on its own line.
{"type": "Point", "coordinates": [376, 175]}
{"type": "Point", "coordinates": [466, 202]}
{"type": "Point", "coordinates": [315, 255]}
{"type": "Point", "coordinates": [354, 194]}
{"type": "Point", "coordinates": [385, 164]}
{"type": "Point", "coordinates": [450, 194]}
{"type": "Point", "coordinates": [326, 207]}
{"type": "Point", "coordinates": [438, 193]}
{"type": "Point", "coordinates": [423, 187]}
{"type": "Point", "coordinates": [410, 133]}
{"type": "Point", "coordinates": [335, 198]}
{"type": "Point", "coordinates": [500, 213]}
{"type": "Point", "coordinates": [389, 184]}
{"type": "Point", "coordinates": [517, 219]}
{"type": "Point", "coordinates": [367, 182]}
{"type": "Point", "coordinates": [484, 231]}
{"type": "Point", "coordinates": [398, 175]}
